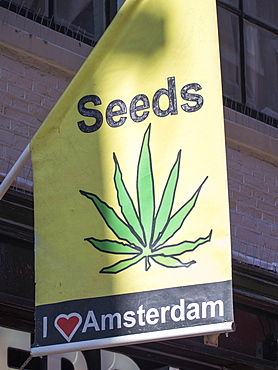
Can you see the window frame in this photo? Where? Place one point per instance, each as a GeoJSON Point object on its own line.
{"type": "Point", "coordinates": [241, 106]}
{"type": "Point", "coordinates": [109, 8]}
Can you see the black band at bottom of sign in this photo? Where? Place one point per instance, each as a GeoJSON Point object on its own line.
{"type": "Point", "coordinates": [134, 313]}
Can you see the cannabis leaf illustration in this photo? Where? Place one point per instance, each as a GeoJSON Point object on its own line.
{"type": "Point", "coordinates": [144, 232]}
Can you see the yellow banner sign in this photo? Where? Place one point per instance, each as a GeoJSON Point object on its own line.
{"type": "Point", "coordinates": [131, 203]}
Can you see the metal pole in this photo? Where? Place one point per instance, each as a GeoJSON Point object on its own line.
{"type": "Point", "coordinates": [8, 180]}
{"type": "Point", "coordinates": [26, 363]}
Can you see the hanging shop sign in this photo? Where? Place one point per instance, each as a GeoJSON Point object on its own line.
{"type": "Point", "coordinates": [130, 187]}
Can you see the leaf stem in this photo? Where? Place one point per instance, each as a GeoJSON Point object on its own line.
{"type": "Point", "coordinates": [147, 263]}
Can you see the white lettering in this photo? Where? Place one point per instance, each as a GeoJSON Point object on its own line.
{"type": "Point", "coordinates": [193, 313]}
{"type": "Point", "coordinates": [180, 309]}
{"type": "Point", "coordinates": [212, 306]}
{"type": "Point", "coordinates": [44, 325]}
{"type": "Point", "coordinates": [140, 313]}
{"type": "Point", "coordinates": [142, 317]}
{"type": "Point", "coordinates": [88, 324]}
{"type": "Point", "coordinates": [128, 318]}
{"type": "Point", "coordinates": [152, 316]}
{"type": "Point", "coordinates": [111, 320]}
{"type": "Point", "coordinates": [163, 313]}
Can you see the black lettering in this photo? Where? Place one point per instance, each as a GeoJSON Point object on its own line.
{"type": "Point", "coordinates": [88, 112]}
{"type": "Point", "coordinates": [172, 96]}
{"type": "Point", "coordinates": [110, 113]}
{"type": "Point", "coordinates": [192, 97]}
{"type": "Point", "coordinates": [135, 108]}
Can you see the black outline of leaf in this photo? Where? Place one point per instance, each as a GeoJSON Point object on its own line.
{"type": "Point", "coordinates": [145, 188]}
{"type": "Point", "coordinates": [166, 206]}
{"type": "Point", "coordinates": [106, 242]}
{"type": "Point", "coordinates": [120, 263]}
{"type": "Point", "coordinates": [187, 248]}
{"type": "Point", "coordinates": [126, 203]}
{"type": "Point", "coordinates": [182, 264]}
{"type": "Point", "coordinates": [178, 217]}
{"type": "Point", "coordinates": [133, 238]}
{"type": "Point", "coordinates": [127, 231]}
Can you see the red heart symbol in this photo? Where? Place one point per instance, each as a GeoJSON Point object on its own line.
{"type": "Point", "coordinates": [67, 325]}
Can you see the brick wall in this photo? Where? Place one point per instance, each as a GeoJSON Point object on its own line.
{"type": "Point", "coordinates": [253, 209]}
{"type": "Point", "coordinates": [29, 88]}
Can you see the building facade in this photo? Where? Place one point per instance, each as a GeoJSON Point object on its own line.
{"type": "Point", "coordinates": [42, 47]}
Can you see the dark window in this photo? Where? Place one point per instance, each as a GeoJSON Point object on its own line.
{"type": "Point", "coordinates": [84, 20]}
{"type": "Point", "coordinates": [248, 32]}
{"type": "Point", "coordinates": [230, 53]}
{"type": "Point", "coordinates": [265, 11]}
{"type": "Point", "coordinates": [232, 2]}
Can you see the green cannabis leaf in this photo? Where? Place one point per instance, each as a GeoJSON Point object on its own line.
{"type": "Point", "coordinates": [144, 232]}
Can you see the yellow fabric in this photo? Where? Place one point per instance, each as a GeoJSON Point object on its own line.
{"type": "Point", "coordinates": [147, 42]}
